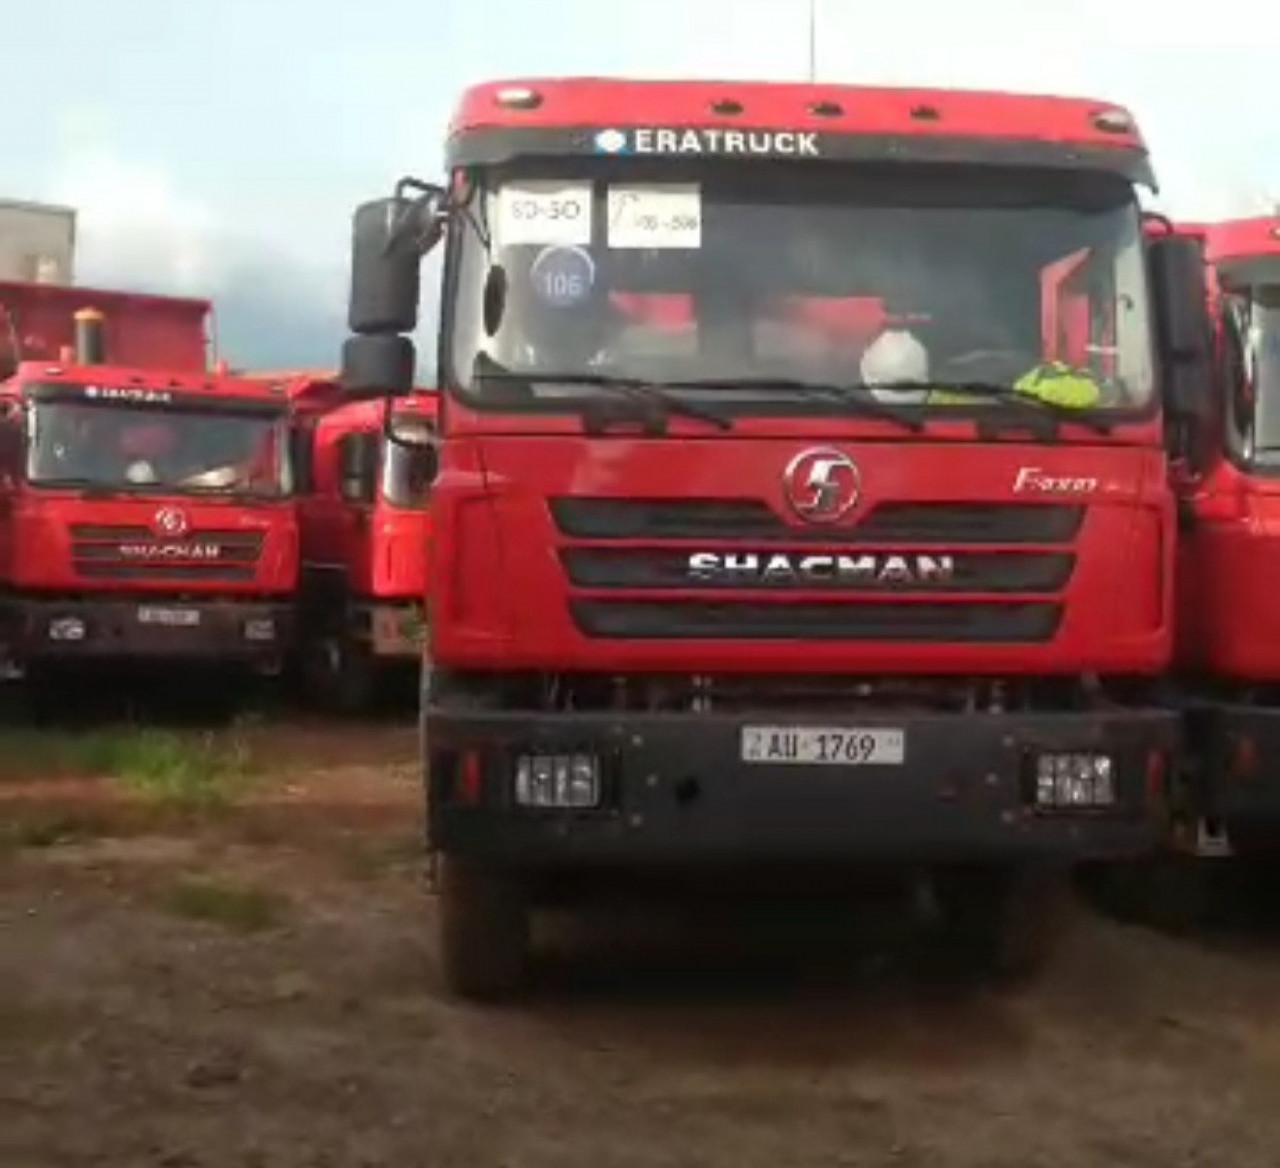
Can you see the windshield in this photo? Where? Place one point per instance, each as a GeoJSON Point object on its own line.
{"type": "Point", "coordinates": [406, 480]}
{"type": "Point", "coordinates": [148, 448]}
{"type": "Point", "coordinates": [831, 276]}
{"type": "Point", "coordinates": [1257, 319]}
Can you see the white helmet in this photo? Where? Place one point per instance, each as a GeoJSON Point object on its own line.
{"type": "Point", "coordinates": [895, 356]}
{"type": "Point", "coordinates": [141, 472]}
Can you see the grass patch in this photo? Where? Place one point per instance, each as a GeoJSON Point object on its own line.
{"type": "Point", "coordinates": [189, 772]}
{"type": "Point", "coordinates": [242, 908]}
{"type": "Point", "coordinates": [161, 767]}
{"type": "Point", "coordinates": [36, 754]}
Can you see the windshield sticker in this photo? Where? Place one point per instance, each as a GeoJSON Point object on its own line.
{"type": "Point", "coordinates": [127, 393]}
{"type": "Point", "coordinates": [658, 140]}
{"type": "Point", "coordinates": [544, 213]}
{"type": "Point", "coordinates": [563, 276]}
{"type": "Point", "coordinates": [668, 216]}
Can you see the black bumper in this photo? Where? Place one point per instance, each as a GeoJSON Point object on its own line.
{"type": "Point", "coordinates": [677, 792]}
{"type": "Point", "coordinates": [96, 628]}
{"type": "Point", "coordinates": [1236, 777]}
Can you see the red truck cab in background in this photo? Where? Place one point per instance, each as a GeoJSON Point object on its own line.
{"type": "Point", "coordinates": [146, 508]}
{"type": "Point", "coordinates": [366, 538]}
{"type": "Point", "coordinates": [712, 587]}
{"type": "Point", "coordinates": [1229, 628]}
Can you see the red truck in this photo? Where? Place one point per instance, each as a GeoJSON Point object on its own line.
{"type": "Point", "coordinates": [365, 531]}
{"type": "Point", "coordinates": [1229, 642]}
{"type": "Point", "coordinates": [146, 508]}
{"type": "Point", "coordinates": [803, 493]}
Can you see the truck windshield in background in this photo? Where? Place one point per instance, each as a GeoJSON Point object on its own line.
{"type": "Point", "coordinates": [149, 448]}
{"type": "Point", "coordinates": [406, 476]}
{"type": "Point", "coordinates": [1256, 313]}
{"type": "Point", "coordinates": [784, 278]}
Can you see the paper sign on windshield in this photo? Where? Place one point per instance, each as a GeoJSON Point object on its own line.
{"type": "Point", "coordinates": [543, 213]}
{"type": "Point", "coordinates": [647, 215]}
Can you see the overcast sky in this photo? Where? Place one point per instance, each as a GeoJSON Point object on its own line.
{"type": "Point", "coordinates": [218, 149]}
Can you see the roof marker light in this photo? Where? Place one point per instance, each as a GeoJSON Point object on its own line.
{"type": "Point", "coordinates": [517, 97]}
{"type": "Point", "coordinates": [727, 106]}
{"type": "Point", "coordinates": [826, 109]}
{"type": "Point", "coordinates": [1113, 121]}
{"type": "Point", "coordinates": [926, 113]}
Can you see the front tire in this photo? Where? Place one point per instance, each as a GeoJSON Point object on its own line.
{"type": "Point", "coordinates": [341, 674]}
{"type": "Point", "coordinates": [484, 932]}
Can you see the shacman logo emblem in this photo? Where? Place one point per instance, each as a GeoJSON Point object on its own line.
{"type": "Point", "coordinates": [822, 485]}
{"type": "Point", "coordinates": [170, 521]}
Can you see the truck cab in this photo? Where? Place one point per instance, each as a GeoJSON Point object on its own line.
{"type": "Point", "coordinates": [146, 509]}
{"type": "Point", "coordinates": [364, 485]}
{"type": "Point", "coordinates": [1229, 642]}
{"type": "Point", "coordinates": [803, 493]}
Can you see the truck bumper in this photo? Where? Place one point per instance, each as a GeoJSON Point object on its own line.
{"type": "Point", "coordinates": [91, 628]}
{"type": "Point", "coordinates": [1236, 779]}
{"type": "Point", "coordinates": [676, 791]}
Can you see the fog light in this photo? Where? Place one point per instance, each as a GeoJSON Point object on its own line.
{"type": "Point", "coordinates": [262, 629]}
{"type": "Point", "coordinates": [66, 628]}
{"type": "Point", "coordinates": [1075, 780]}
{"type": "Point", "coordinates": [557, 780]}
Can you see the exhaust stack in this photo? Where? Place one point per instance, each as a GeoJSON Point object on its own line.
{"type": "Point", "coordinates": [91, 337]}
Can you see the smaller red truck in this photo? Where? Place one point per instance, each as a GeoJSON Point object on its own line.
{"type": "Point", "coordinates": [1229, 626]}
{"type": "Point", "coordinates": [365, 536]}
{"type": "Point", "coordinates": [146, 509]}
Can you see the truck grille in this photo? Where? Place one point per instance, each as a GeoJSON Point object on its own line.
{"type": "Point", "coordinates": [932, 572]}
{"type": "Point", "coordinates": [110, 552]}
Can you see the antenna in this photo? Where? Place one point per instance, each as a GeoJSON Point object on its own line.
{"type": "Point", "coordinates": [813, 41]}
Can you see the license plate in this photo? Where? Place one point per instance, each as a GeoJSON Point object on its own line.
{"type": "Point", "coordinates": [824, 745]}
{"type": "Point", "coordinates": [182, 617]}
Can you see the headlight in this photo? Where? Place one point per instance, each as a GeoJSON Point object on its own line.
{"type": "Point", "coordinates": [261, 629]}
{"type": "Point", "coordinates": [557, 780]}
{"type": "Point", "coordinates": [66, 628]}
{"type": "Point", "coordinates": [1069, 780]}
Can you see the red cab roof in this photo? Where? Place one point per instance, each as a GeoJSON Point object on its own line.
{"type": "Point", "coordinates": [122, 381]}
{"type": "Point", "coordinates": [826, 109]}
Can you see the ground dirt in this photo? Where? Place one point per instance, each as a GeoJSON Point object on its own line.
{"type": "Point", "coordinates": [257, 988]}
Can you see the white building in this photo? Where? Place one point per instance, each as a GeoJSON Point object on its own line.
{"type": "Point", "coordinates": [37, 242]}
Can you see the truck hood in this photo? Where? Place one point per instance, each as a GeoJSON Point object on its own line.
{"type": "Point", "coordinates": [614, 554]}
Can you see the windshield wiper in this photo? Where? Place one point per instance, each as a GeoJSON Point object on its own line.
{"type": "Point", "coordinates": [645, 391]}
{"type": "Point", "coordinates": [95, 487]}
{"type": "Point", "coordinates": [846, 395]}
{"type": "Point", "coordinates": [998, 392]}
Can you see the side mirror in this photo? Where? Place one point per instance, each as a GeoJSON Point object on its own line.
{"type": "Point", "coordinates": [358, 455]}
{"type": "Point", "coordinates": [376, 367]}
{"type": "Point", "coordinates": [388, 239]}
{"type": "Point", "coordinates": [1184, 331]}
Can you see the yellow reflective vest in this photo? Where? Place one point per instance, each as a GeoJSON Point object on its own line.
{"type": "Point", "coordinates": [1055, 383]}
